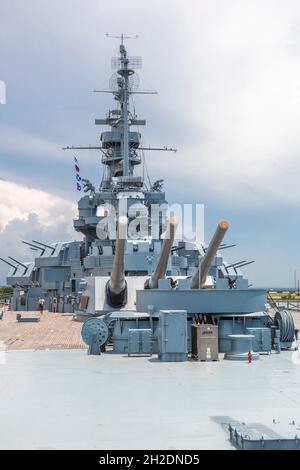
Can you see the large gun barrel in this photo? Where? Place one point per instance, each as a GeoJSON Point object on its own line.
{"type": "Point", "coordinates": [162, 265]}
{"type": "Point", "coordinates": [116, 287]}
{"type": "Point", "coordinates": [199, 278]}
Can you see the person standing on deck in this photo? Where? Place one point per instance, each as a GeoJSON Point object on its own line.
{"type": "Point", "coordinates": [41, 305]}
{"type": "Point", "coordinates": [54, 304]}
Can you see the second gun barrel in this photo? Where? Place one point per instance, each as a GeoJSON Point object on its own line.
{"type": "Point", "coordinates": [162, 265]}
{"type": "Point", "coordinates": [199, 278]}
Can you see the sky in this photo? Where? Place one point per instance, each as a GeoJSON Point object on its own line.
{"type": "Point", "coordinates": [228, 79]}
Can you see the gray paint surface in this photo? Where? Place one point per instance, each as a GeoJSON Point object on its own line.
{"type": "Point", "coordinates": [202, 300]}
{"type": "Point", "coordinates": [66, 399]}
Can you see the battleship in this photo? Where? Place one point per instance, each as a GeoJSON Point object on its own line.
{"type": "Point", "coordinates": [144, 294]}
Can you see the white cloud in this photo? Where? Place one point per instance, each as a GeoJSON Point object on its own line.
{"type": "Point", "coordinates": [27, 214]}
{"type": "Point", "coordinates": [20, 202]}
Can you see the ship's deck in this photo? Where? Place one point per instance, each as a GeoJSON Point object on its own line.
{"type": "Point", "coordinates": [53, 331]}
{"type": "Point", "coordinates": [67, 399]}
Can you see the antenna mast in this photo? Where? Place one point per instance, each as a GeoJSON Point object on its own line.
{"type": "Point", "coordinates": [120, 146]}
{"type": "Point", "coordinates": [125, 72]}
{"type": "Point", "coordinates": [125, 67]}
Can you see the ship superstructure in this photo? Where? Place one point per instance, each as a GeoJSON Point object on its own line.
{"type": "Point", "coordinates": [59, 269]}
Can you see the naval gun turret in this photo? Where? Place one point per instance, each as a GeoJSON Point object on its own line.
{"type": "Point", "coordinates": [199, 278]}
{"type": "Point", "coordinates": [162, 265]}
{"type": "Point", "coordinates": [116, 287]}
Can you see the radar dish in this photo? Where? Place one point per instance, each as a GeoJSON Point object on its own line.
{"type": "Point", "coordinates": [134, 62]}
{"type": "Point", "coordinates": [133, 81]}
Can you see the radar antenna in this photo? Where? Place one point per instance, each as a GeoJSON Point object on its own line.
{"type": "Point", "coordinates": [122, 37]}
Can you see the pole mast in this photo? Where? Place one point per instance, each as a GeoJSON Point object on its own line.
{"type": "Point", "coordinates": [125, 72]}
